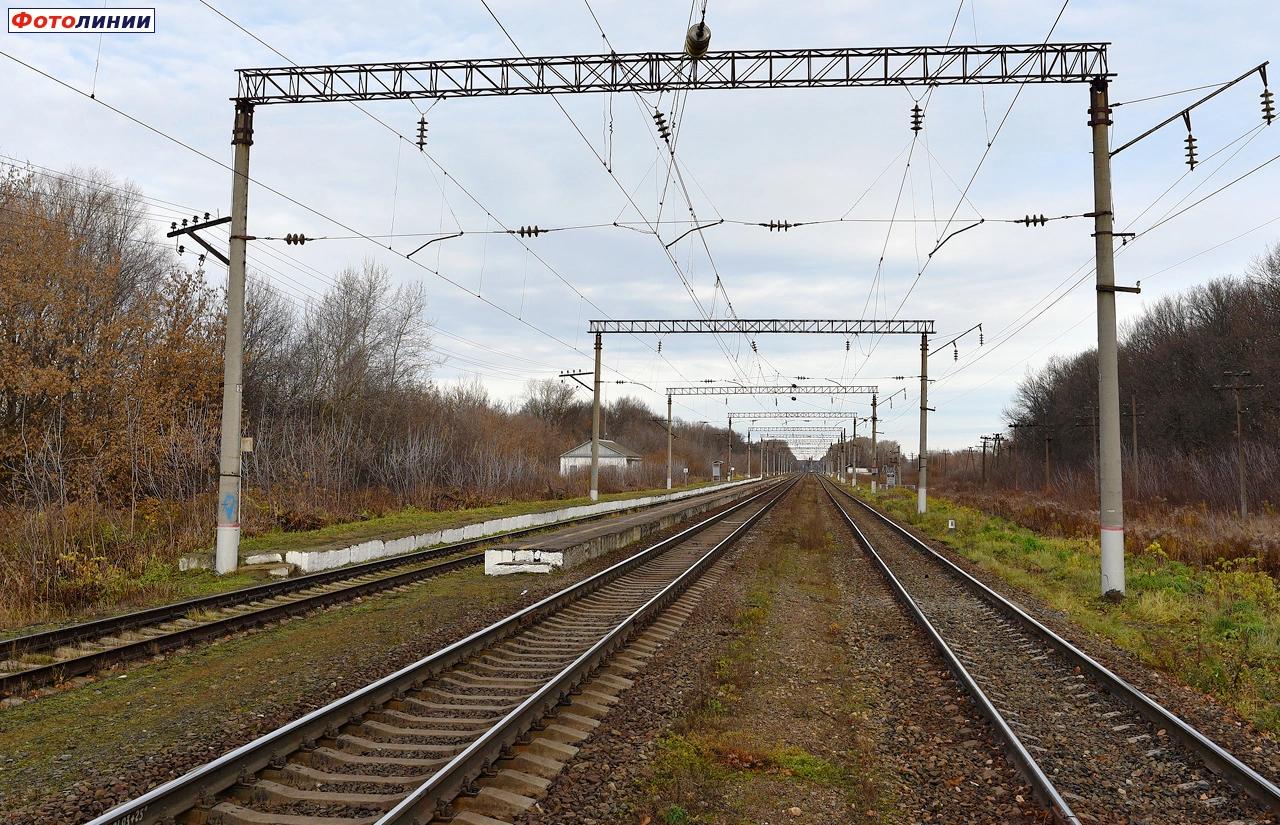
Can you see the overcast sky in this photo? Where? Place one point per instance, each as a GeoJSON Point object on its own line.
{"type": "Point", "coordinates": [751, 156]}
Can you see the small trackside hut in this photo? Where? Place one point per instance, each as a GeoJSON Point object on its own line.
{"type": "Point", "coordinates": [612, 454]}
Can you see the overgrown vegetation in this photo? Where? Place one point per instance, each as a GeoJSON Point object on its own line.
{"type": "Point", "coordinates": [1215, 627]}
{"type": "Point", "coordinates": [1178, 433]}
{"type": "Point", "coordinates": [1195, 535]}
{"type": "Point", "coordinates": [110, 394]}
{"type": "Point", "coordinates": [1171, 357]}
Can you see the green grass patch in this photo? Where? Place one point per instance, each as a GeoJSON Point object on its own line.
{"type": "Point", "coordinates": [1217, 628]}
{"type": "Point", "coordinates": [675, 815]}
{"type": "Point", "coordinates": [707, 756]}
{"type": "Point", "coordinates": [806, 766]}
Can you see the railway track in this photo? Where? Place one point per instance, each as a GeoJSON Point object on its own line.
{"type": "Point", "coordinates": [1094, 748]}
{"type": "Point", "coordinates": [475, 730]}
{"type": "Point", "coordinates": [49, 657]}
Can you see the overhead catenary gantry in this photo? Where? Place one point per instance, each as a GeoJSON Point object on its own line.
{"type": "Point", "coordinates": [740, 326]}
{"type": "Point", "coordinates": [766, 326]}
{"type": "Point", "coordinates": [745, 326]}
{"type": "Point", "coordinates": [834, 388]}
{"type": "Point", "coordinates": [813, 415]}
{"type": "Point", "coordinates": [671, 71]}
{"type": "Point", "coordinates": [811, 437]}
{"type": "Point", "coordinates": [784, 434]}
{"type": "Point", "coordinates": [878, 66]}
{"type": "Point", "coordinates": [775, 389]}
{"type": "Point", "coordinates": [823, 415]}
{"type": "Point", "coordinates": [829, 429]}
{"type": "Point", "coordinates": [771, 454]}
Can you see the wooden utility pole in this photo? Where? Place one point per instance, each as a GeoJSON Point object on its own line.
{"type": "Point", "coordinates": [1048, 439]}
{"type": "Point", "coordinates": [1048, 467]}
{"type": "Point", "coordinates": [1236, 387]}
{"type": "Point", "coordinates": [985, 439]}
{"type": "Point", "coordinates": [1089, 418]}
{"type": "Point", "coordinates": [1133, 414]}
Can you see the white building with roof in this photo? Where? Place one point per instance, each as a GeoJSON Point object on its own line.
{"type": "Point", "coordinates": [612, 454]}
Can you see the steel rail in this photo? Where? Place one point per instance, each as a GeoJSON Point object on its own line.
{"type": "Point", "coordinates": [1214, 755]}
{"type": "Point", "coordinates": [460, 772]}
{"type": "Point", "coordinates": [18, 646]}
{"type": "Point", "coordinates": [1040, 783]}
{"type": "Point", "coordinates": [216, 628]}
{"type": "Point", "coordinates": [185, 792]}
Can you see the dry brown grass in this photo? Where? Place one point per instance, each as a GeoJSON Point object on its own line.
{"type": "Point", "coordinates": [1192, 534]}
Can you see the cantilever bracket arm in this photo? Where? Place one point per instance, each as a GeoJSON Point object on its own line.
{"type": "Point", "coordinates": [1185, 111]}
{"type": "Point", "coordinates": [193, 228]}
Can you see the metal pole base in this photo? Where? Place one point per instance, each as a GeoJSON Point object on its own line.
{"type": "Point", "coordinates": [1112, 562]}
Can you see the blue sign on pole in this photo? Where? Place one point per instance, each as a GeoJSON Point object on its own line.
{"type": "Point", "coordinates": [229, 506]}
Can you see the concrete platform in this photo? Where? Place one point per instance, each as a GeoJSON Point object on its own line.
{"type": "Point", "coordinates": [574, 545]}
{"type": "Point", "coordinates": [311, 560]}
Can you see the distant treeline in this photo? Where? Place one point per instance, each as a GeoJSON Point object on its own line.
{"type": "Point", "coordinates": [1171, 359]}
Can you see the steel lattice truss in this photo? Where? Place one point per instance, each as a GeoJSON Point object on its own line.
{"type": "Point", "coordinates": [758, 326]}
{"type": "Point", "coordinates": [657, 71]}
{"type": "Point", "coordinates": [786, 430]}
{"type": "Point", "coordinates": [797, 389]}
{"type": "Point", "coordinates": [817, 416]}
